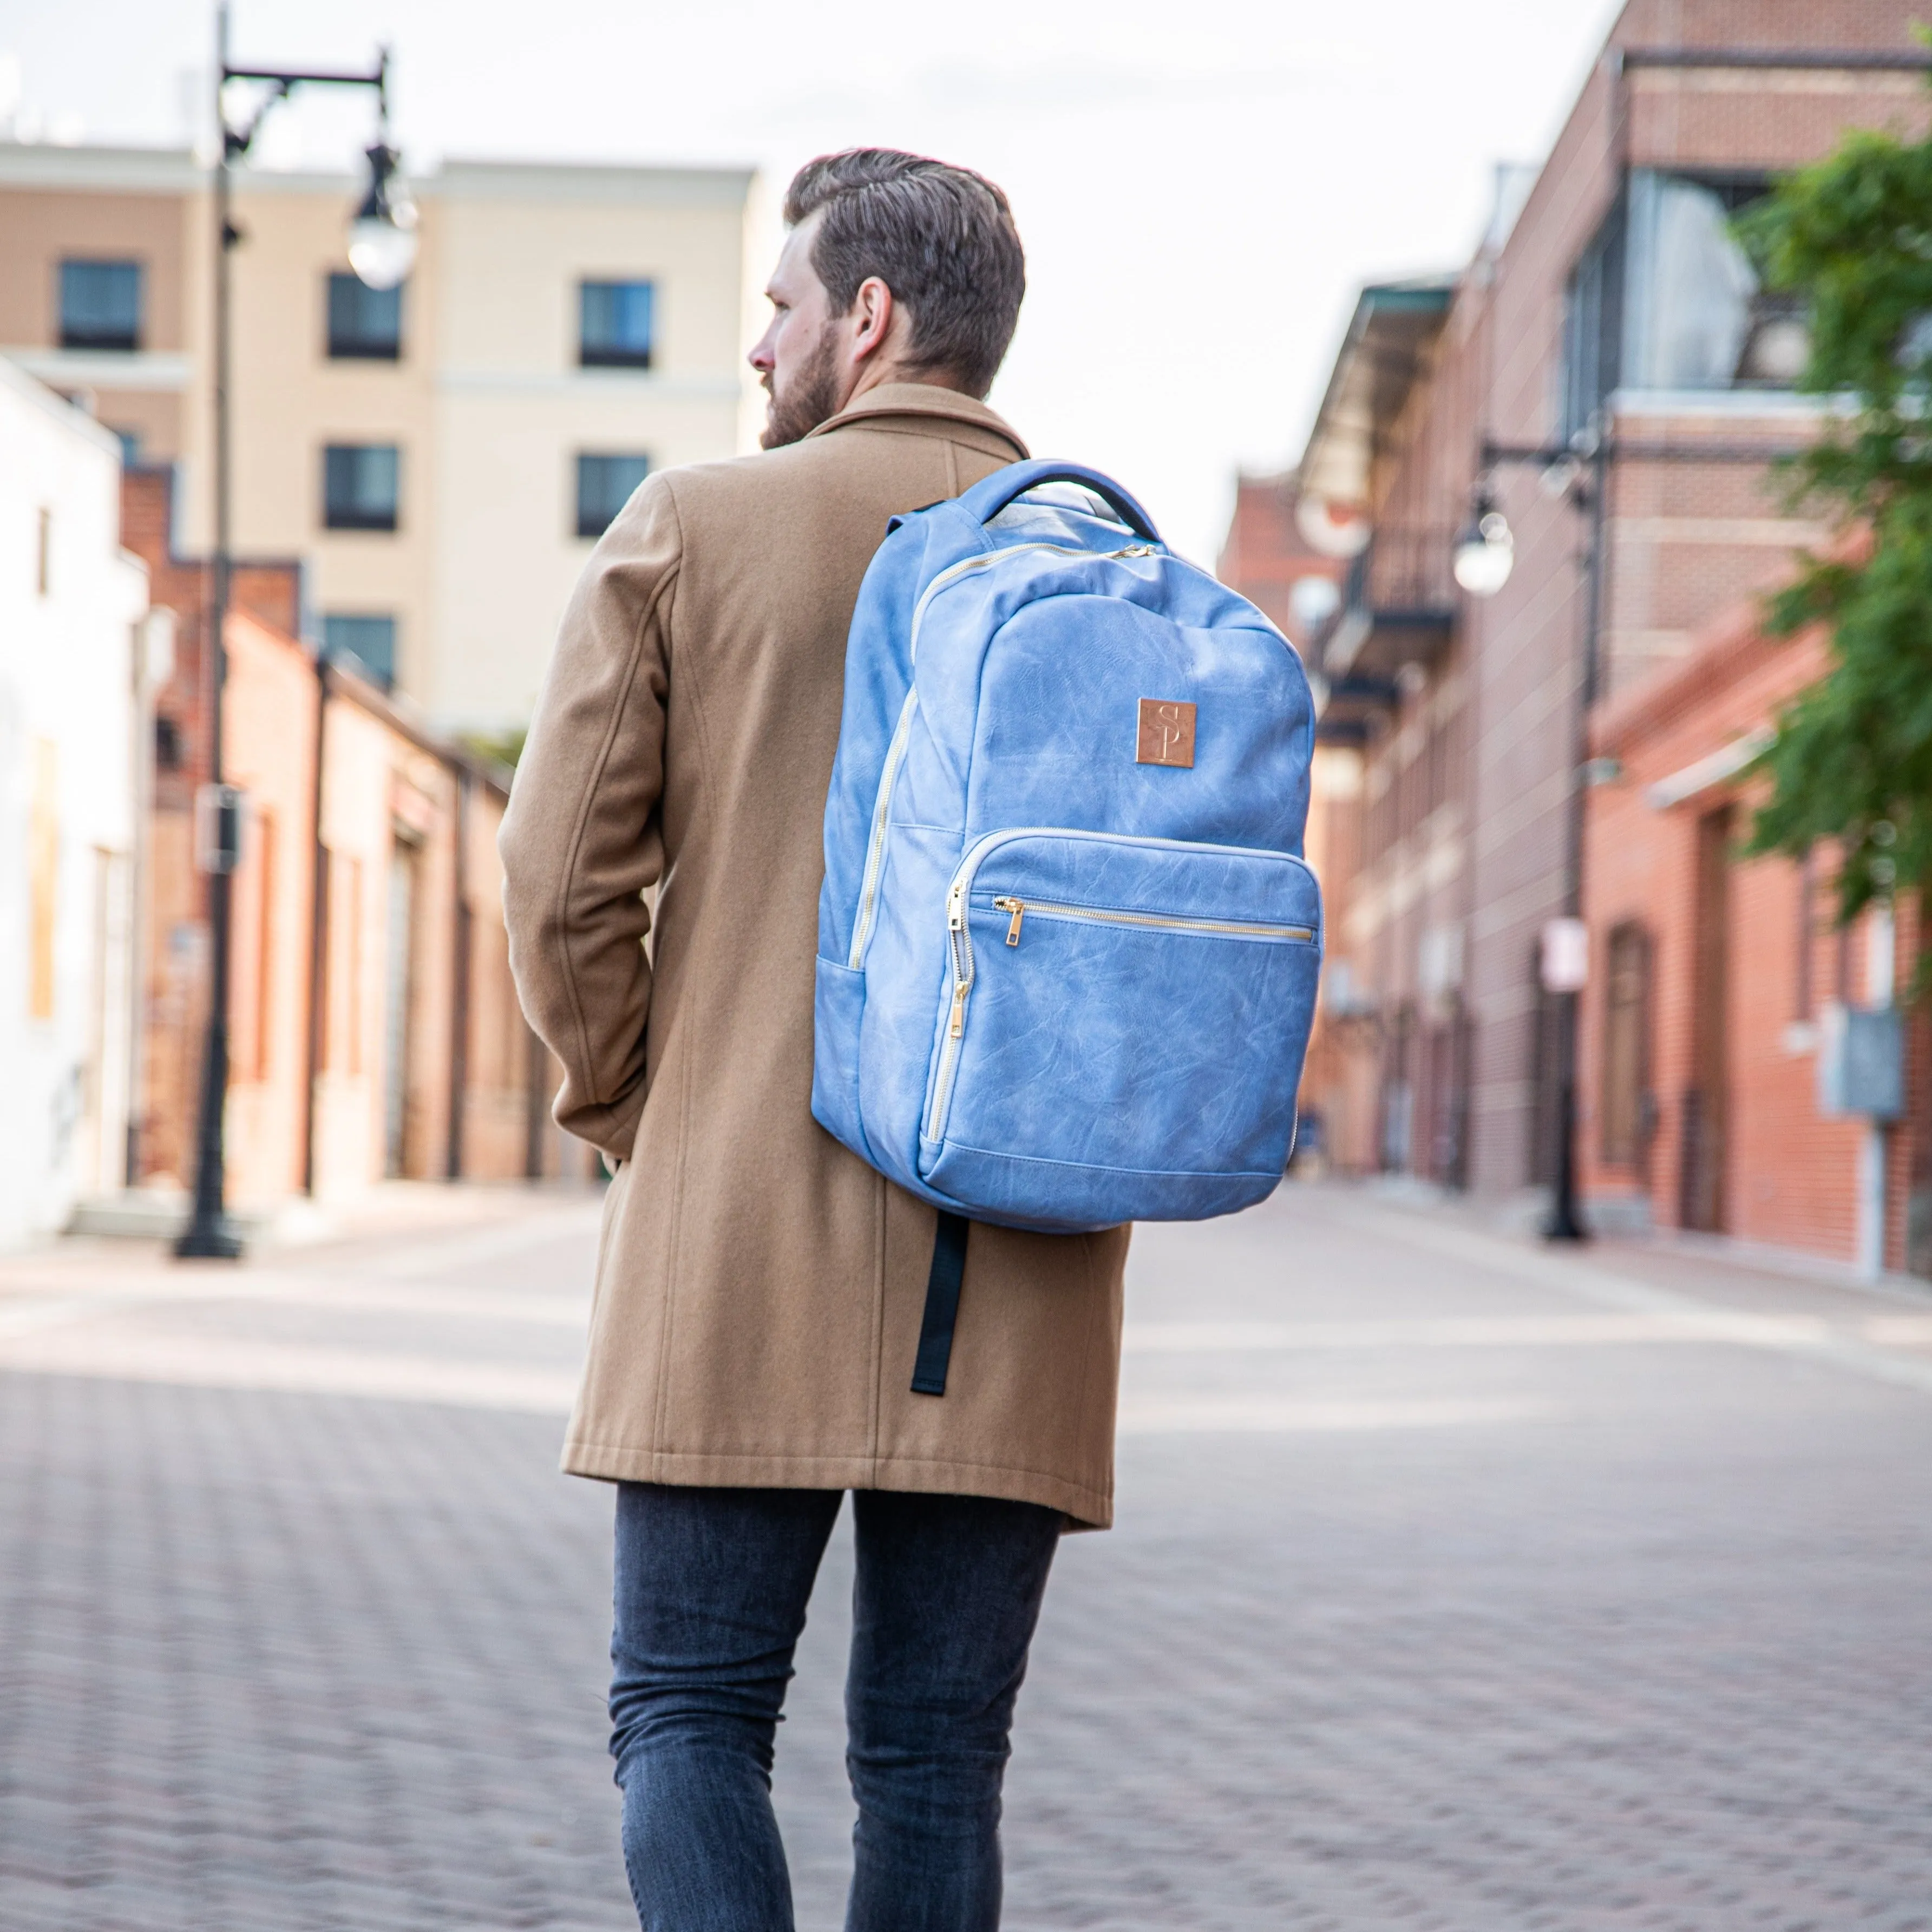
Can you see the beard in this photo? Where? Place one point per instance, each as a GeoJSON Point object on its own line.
{"type": "Point", "coordinates": [808, 399]}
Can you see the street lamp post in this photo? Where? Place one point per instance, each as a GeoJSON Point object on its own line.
{"type": "Point", "coordinates": [382, 248]}
{"type": "Point", "coordinates": [1484, 556]}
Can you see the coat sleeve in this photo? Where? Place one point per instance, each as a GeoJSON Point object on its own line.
{"type": "Point", "coordinates": [582, 839]}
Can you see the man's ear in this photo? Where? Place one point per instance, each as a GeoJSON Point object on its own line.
{"type": "Point", "coordinates": [872, 310]}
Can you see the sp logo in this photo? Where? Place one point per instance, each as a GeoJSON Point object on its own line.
{"type": "Point", "coordinates": [1166, 732]}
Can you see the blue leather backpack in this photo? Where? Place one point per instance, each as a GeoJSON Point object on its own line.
{"type": "Point", "coordinates": [1068, 946]}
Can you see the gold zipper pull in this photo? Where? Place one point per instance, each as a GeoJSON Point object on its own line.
{"type": "Point", "coordinates": [959, 1008]}
{"type": "Point", "coordinates": [1018, 908]}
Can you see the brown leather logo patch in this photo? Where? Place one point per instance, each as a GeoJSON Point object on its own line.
{"type": "Point", "coordinates": [1167, 732]}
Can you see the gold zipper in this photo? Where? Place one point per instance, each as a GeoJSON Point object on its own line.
{"type": "Point", "coordinates": [1236, 929]}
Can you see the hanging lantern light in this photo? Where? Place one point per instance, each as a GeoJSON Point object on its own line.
{"type": "Point", "coordinates": [382, 237]}
{"type": "Point", "coordinates": [1485, 551]}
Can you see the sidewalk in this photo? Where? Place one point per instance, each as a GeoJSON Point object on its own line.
{"type": "Point", "coordinates": [1459, 1584]}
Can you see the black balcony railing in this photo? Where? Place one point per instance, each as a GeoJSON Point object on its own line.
{"type": "Point", "coordinates": [1407, 573]}
{"type": "Point", "coordinates": [1398, 603]}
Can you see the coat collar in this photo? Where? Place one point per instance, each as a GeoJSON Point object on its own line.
{"type": "Point", "coordinates": [923, 408]}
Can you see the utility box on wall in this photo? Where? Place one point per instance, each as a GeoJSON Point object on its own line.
{"type": "Point", "coordinates": [1861, 1062]}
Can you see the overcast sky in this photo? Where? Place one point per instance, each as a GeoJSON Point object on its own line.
{"type": "Point", "coordinates": [1201, 187]}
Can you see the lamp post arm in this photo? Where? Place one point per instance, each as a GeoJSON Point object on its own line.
{"type": "Point", "coordinates": [282, 82]}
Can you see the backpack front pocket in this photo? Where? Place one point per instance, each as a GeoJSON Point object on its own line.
{"type": "Point", "coordinates": [1125, 1020]}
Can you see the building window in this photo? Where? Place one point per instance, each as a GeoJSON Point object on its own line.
{"type": "Point", "coordinates": [1664, 298]}
{"type": "Point", "coordinates": [100, 305]}
{"type": "Point", "coordinates": [614, 324]}
{"type": "Point", "coordinates": [1593, 306]}
{"type": "Point", "coordinates": [370, 639]}
{"type": "Point", "coordinates": [360, 486]}
{"type": "Point", "coordinates": [1695, 317]}
{"type": "Point", "coordinates": [604, 487]}
{"type": "Point", "coordinates": [168, 753]}
{"type": "Point", "coordinates": [364, 324]}
{"type": "Point", "coordinates": [1627, 1047]}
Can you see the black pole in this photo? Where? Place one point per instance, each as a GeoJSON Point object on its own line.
{"type": "Point", "coordinates": [1566, 1223]}
{"type": "Point", "coordinates": [209, 1234]}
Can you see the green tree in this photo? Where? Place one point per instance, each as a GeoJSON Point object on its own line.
{"type": "Point", "coordinates": [502, 748]}
{"type": "Point", "coordinates": [1852, 236]}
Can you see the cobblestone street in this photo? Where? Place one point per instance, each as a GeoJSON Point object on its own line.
{"type": "Point", "coordinates": [1457, 1584]}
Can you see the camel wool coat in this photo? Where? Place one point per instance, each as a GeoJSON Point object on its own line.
{"type": "Point", "coordinates": [759, 1287]}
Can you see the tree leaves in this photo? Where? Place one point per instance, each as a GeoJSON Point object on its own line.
{"type": "Point", "coordinates": [1852, 762]}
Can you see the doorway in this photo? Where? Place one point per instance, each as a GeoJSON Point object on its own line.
{"type": "Point", "coordinates": [399, 972]}
{"type": "Point", "coordinates": [1702, 1203]}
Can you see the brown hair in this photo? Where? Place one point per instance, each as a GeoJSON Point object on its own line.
{"type": "Point", "coordinates": [941, 239]}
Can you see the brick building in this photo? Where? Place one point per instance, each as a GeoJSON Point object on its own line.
{"type": "Point", "coordinates": [1269, 559]}
{"type": "Point", "coordinates": [1606, 374]}
{"type": "Point", "coordinates": [1718, 982]}
{"type": "Point", "coordinates": [374, 1030]}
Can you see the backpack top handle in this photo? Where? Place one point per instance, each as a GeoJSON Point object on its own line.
{"type": "Point", "coordinates": [989, 496]}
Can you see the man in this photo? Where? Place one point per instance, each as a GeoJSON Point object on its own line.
{"type": "Point", "coordinates": [759, 1288]}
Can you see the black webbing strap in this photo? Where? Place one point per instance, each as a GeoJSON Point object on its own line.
{"type": "Point", "coordinates": [942, 1305]}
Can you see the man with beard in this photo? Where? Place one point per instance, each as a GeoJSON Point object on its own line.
{"type": "Point", "coordinates": [759, 1288]}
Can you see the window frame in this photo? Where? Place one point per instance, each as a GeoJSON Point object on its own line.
{"type": "Point", "coordinates": [612, 354]}
{"type": "Point", "coordinates": [1595, 294]}
{"type": "Point", "coordinates": [353, 348]}
{"type": "Point", "coordinates": [1611, 297]}
{"type": "Point", "coordinates": [120, 343]}
{"type": "Point", "coordinates": [347, 515]}
{"type": "Point", "coordinates": [382, 673]}
{"type": "Point", "coordinates": [584, 528]}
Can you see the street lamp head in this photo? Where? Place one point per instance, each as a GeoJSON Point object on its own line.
{"type": "Point", "coordinates": [382, 237]}
{"type": "Point", "coordinates": [1485, 553]}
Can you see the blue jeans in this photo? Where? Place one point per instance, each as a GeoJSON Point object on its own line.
{"type": "Point", "coordinates": [711, 1591]}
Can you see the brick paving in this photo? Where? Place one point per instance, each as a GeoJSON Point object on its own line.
{"type": "Point", "coordinates": [1456, 1585]}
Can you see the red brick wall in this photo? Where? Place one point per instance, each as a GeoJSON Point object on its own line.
{"type": "Point", "coordinates": [1790, 1175]}
{"type": "Point", "coordinates": [408, 779]}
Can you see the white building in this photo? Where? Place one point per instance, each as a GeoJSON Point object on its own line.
{"type": "Point", "coordinates": [73, 637]}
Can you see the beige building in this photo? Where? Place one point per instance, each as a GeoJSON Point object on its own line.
{"type": "Point", "coordinates": [440, 459]}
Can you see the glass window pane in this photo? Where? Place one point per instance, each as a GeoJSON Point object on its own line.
{"type": "Point", "coordinates": [1593, 325]}
{"type": "Point", "coordinates": [604, 484]}
{"type": "Point", "coordinates": [360, 486]}
{"type": "Point", "coordinates": [614, 324]}
{"type": "Point", "coordinates": [370, 640]}
{"type": "Point", "coordinates": [364, 322]}
{"type": "Point", "coordinates": [1697, 318]}
{"type": "Point", "coordinates": [100, 305]}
